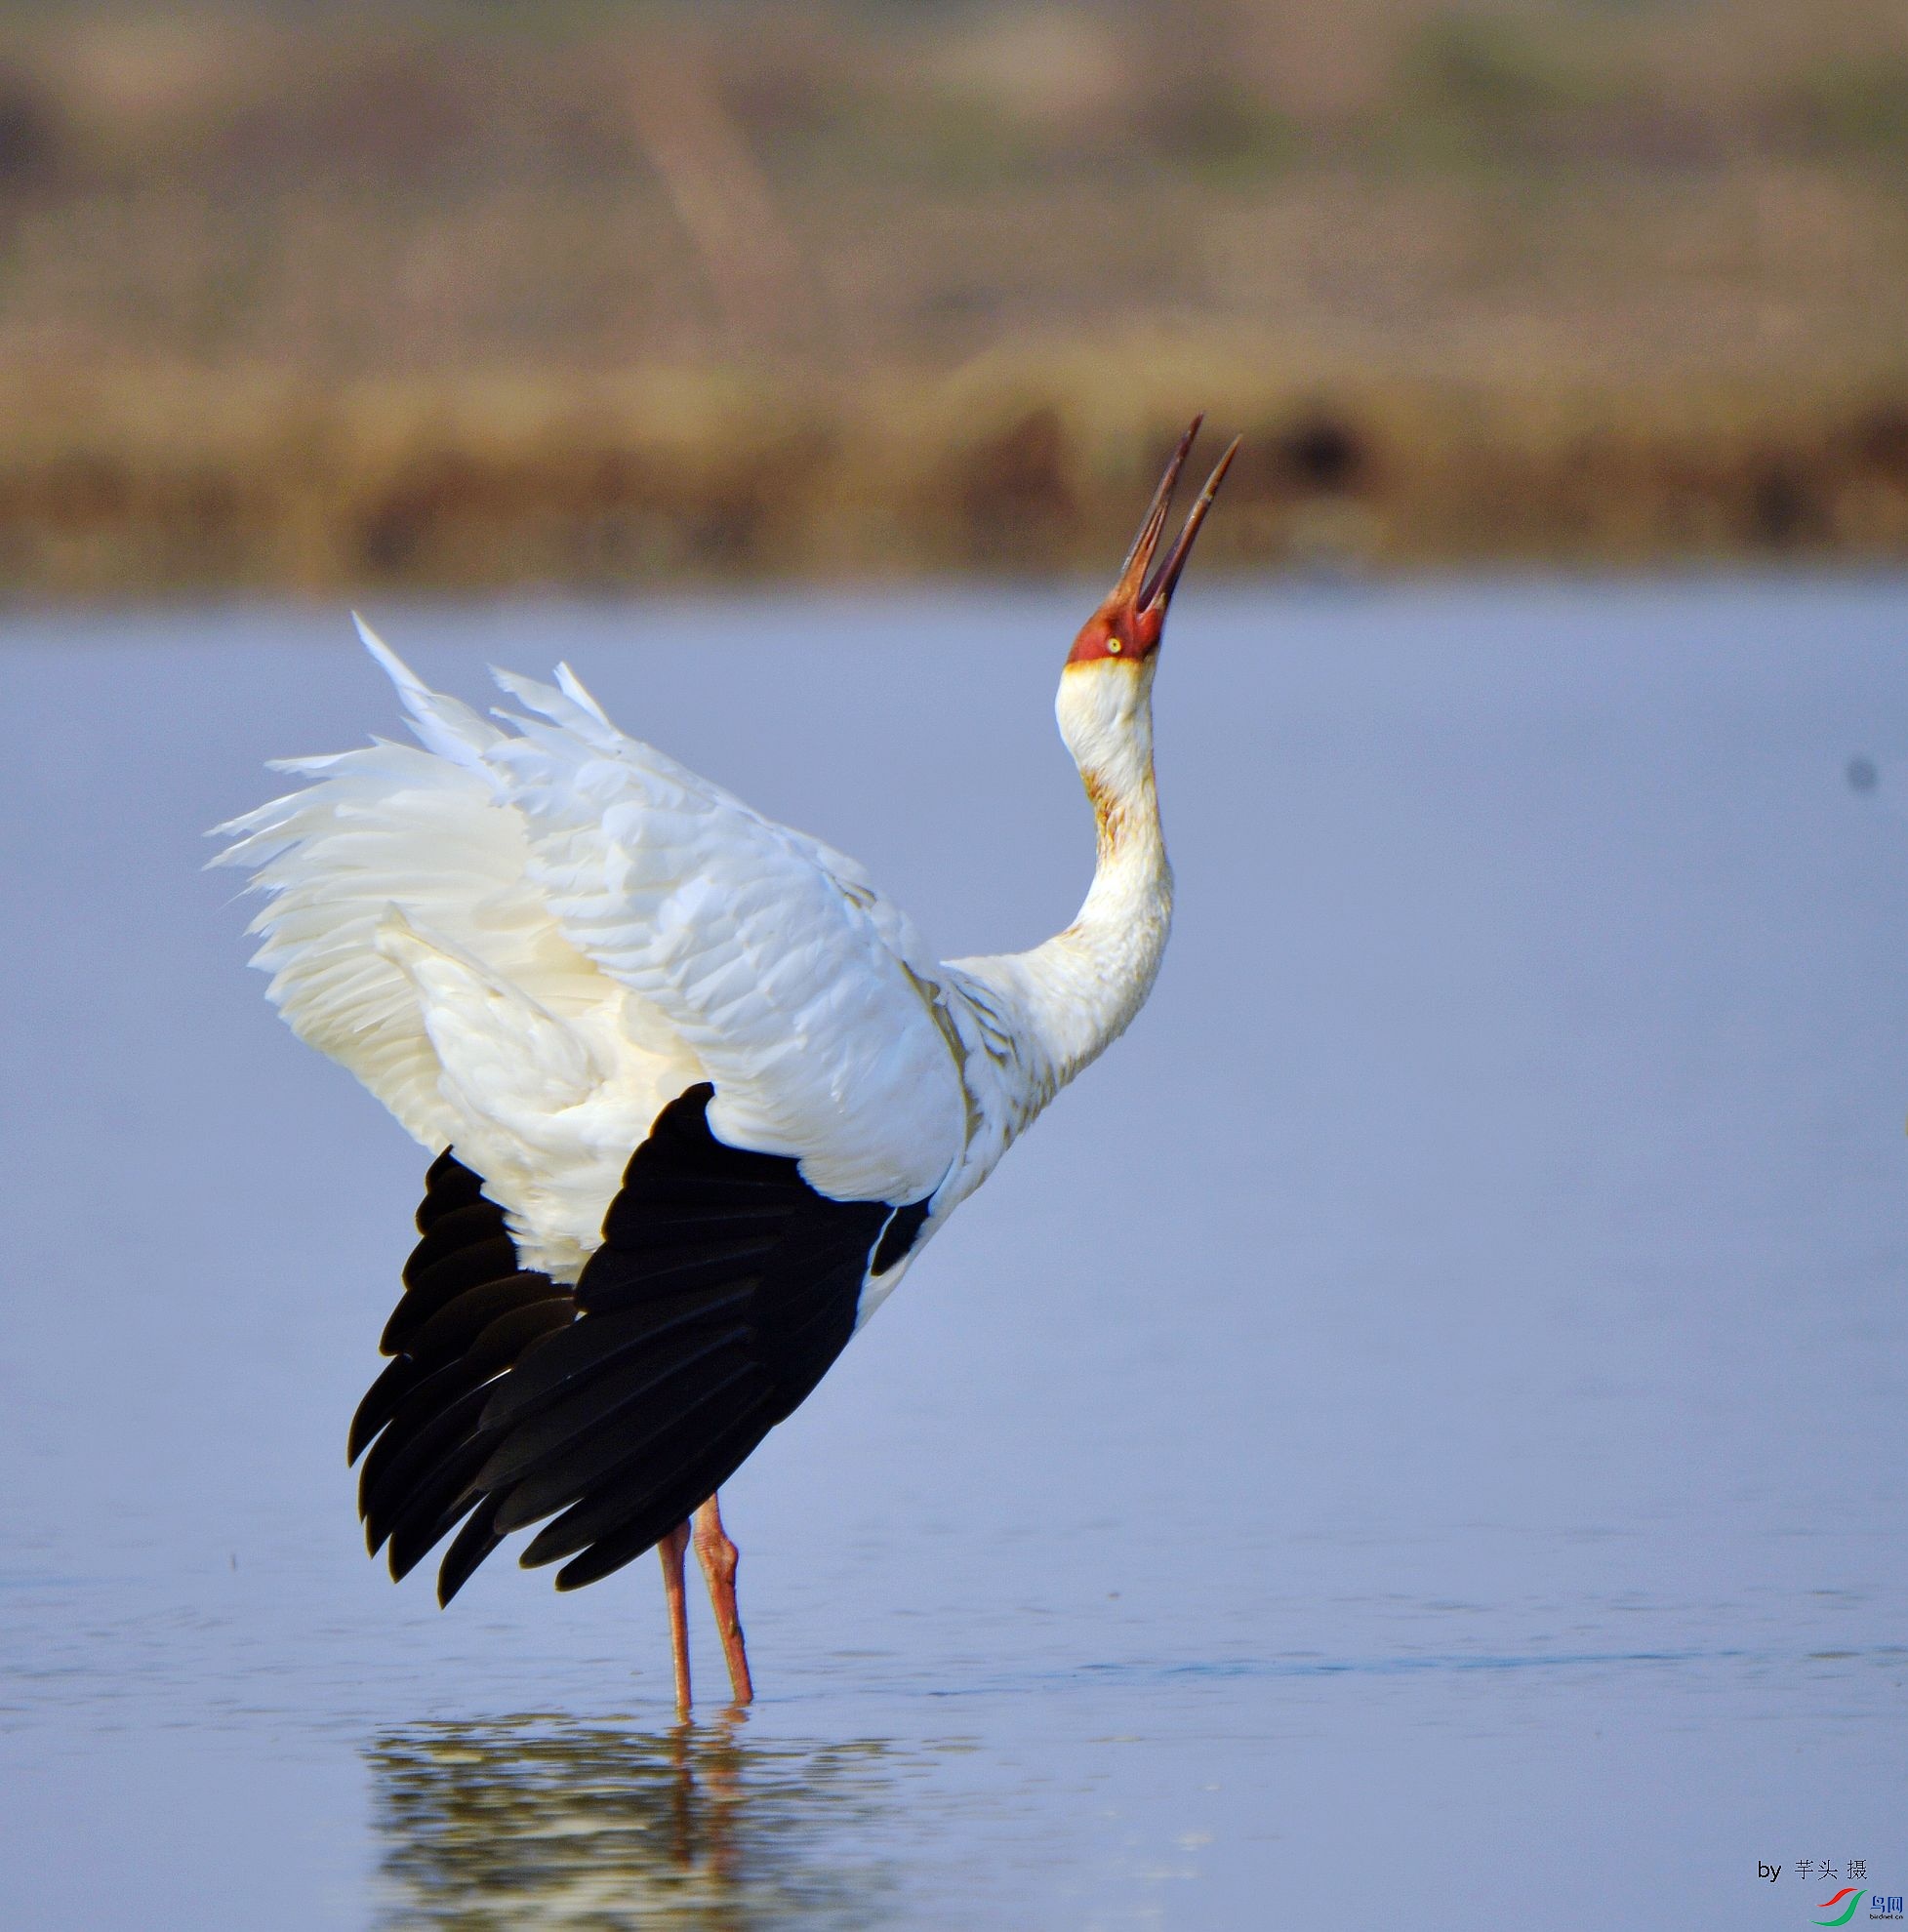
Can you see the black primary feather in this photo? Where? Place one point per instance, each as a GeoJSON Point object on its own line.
{"type": "Point", "coordinates": [723, 1291]}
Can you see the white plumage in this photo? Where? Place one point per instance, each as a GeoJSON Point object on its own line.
{"type": "Point", "coordinates": [536, 940]}
{"type": "Point", "coordinates": [525, 942]}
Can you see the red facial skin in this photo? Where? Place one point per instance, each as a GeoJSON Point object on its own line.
{"type": "Point", "coordinates": [1115, 633]}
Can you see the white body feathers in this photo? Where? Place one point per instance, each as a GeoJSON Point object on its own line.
{"type": "Point", "coordinates": [526, 941]}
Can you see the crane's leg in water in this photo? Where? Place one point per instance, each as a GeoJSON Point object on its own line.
{"type": "Point", "coordinates": [717, 1556]}
{"type": "Point", "coordinates": [672, 1549]}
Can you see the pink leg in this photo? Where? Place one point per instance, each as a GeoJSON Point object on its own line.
{"type": "Point", "coordinates": [717, 1556]}
{"type": "Point", "coordinates": [672, 1548]}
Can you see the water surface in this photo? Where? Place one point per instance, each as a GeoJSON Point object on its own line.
{"type": "Point", "coordinates": [1416, 1436]}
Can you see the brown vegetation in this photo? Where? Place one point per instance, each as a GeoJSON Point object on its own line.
{"type": "Point", "coordinates": [599, 296]}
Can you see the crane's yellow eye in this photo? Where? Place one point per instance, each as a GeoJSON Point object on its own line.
{"type": "Point", "coordinates": [1112, 647]}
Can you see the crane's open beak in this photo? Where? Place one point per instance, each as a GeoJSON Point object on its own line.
{"type": "Point", "coordinates": [1130, 623]}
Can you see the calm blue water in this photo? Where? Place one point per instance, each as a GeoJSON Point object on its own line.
{"type": "Point", "coordinates": [1418, 1437]}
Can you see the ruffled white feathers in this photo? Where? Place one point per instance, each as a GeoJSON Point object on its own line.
{"type": "Point", "coordinates": [526, 941]}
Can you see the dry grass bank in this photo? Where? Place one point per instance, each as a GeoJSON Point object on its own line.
{"type": "Point", "coordinates": [272, 483]}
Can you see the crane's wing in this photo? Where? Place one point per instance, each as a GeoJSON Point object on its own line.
{"type": "Point", "coordinates": [454, 925]}
{"type": "Point", "coordinates": [392, 827]}
{"type": "Point", "coordinates": [526, 944]}
{"type": "Point", "coordinates": [725, 1288]}
{"type": "Point", "coordinates": [406, 941]}
{"type": "Point", "coordinates": [804, 995]}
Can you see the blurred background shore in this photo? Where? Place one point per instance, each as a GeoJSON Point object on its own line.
{"type": "Point", "coordinates": [312, 298]}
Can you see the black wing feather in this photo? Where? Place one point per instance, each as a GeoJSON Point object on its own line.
{"type": "Point", "coordinates": [668, 1505]}
{"type": "Point", "coordinates": [434, 1288]}
{"type": "Point", "coordinates": [449, 1185]}
{"type": "Point", "coordinates": [442, 1502]}
{"type": "Point", "coordinates": [474, 1542]}
{"type": "Point", "coordinates": [725, 1289]}
{"type": "Point", "coordinates": [395, 1471]}
{"type": "Point", "coordinates": [605, 1400]}
{"type": "Point", "coordinates": [571, 1360]}
{"type": "Point", "coordinates": [566, 1478]}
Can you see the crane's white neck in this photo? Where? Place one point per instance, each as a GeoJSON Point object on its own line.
{"type": "Point", "coordinates": [1079, 992]}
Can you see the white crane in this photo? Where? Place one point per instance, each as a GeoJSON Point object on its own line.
{"type": "Point", "coordinates": [698, 1096]}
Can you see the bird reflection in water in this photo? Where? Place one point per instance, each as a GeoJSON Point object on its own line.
{"type": "Point", "coordinates": [538, 1820]}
